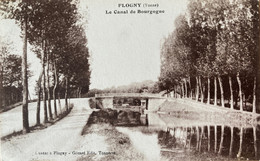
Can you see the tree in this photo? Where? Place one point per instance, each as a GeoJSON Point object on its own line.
{"type": "Point", "coordinates": [79, 65]}
{"type": "Point", "coordinates": [12, 71]}
{"type": "Point", "coordinates": [11, 75]}
{"type": "Point", "coordinates": [235, 42]}
{"type": "Point", "coordinates": [26, 127]}
{"type": "Point", "coordinates": [49, 23]}
{"type": "Point", "coordinates": [219, 42]}
{"type": "Point", "coordinates": [12, 79]}
{"type": "Point", "coordinates": [20, 14]}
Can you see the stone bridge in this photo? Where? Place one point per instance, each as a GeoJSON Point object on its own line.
{"type": "Point", "coordinates": [150, 102]}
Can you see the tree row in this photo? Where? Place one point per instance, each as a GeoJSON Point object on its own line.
{"type": "Point", "coordinates": [52, 27]}
{"type": "Point", "coordinates": [212, 54]}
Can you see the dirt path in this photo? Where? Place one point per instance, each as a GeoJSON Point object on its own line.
{"type": "Point", "coordinates": [11, 120]}
{"type": "Point", "coordinates": [61, 141]}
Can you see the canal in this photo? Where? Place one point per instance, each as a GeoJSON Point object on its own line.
{"type": "Point", "coordinates": [194, 136]}
{"type": "Point", "coordinates": [185, 131]}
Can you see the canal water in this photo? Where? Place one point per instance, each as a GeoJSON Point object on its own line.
{"type": "Point", "coordinates": [194, 136]}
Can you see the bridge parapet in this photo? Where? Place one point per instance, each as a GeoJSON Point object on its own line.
{"type": "Point", "coordinates": [150, 101]}
{"type": "Point", "coordinates": [142, 95]}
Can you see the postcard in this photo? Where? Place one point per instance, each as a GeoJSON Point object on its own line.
{"type": "Point", "coordinates": [144, 80]}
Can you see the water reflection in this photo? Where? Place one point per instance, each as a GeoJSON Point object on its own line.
{"type": "Point", "coordinates": [202, 134]}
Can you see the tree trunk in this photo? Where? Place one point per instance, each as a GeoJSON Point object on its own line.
{"type": "Point", "coordinates": [215, 91]}
{"type": "Point", "coordinates": [182, 89]}
{"type": "Point", "coordinates": [77, 93]}
{"type": "Point", "coordinates": [58, 91]}
{"type": "Point", "coordinates": [190, 138]}
{"type": "Point", "coordinates": [201, 90]}
{"type": "Point", "coordinates": [208, 138]}
{"type": "Point", "coordinates": [198, 137]}
{"type": "Point", "coordinates": [216, 139]}
{"type": "Point", "coordinates": [54, 89]}
{"type": "Point", "coordinates": [38, 116]}
{"type": "Point", "coordinates": [244, 98]}
{"type": "Point", "coordinates": [66, 94]}
{"type": "Point", "coordinates": [236, 96]}
{"type": "Point", "coordinates": [59, 102]}
{"type": "Point", "coordinates": [197, 89]}
{"type": "Point", "coordinates": [176, 93]}
{"type": "Point", "coordinates": [80, 89]}
{"type": "Point", "coordinates": [189, 88]}
{"type": "Point", "coordinates": [186, 137]}
{"type": "Point", "coordinates": [208, 100]}
{"type": "Point", "coordinates": [240, 92]}
{"type": "Point", "coordinates": [201, 136]}
{"type": "Point", "coordinates": [221, 91]}
{"type": "Point", "coordinates": [1, 84]}
{"type": "Point", "coordinates": [69, 97]}
{"type": "Point", "coordinates": [240, 143]}
{"type": "Point", "coordinates": [231, 93]}
{"type": "Point", "coordinates": [26, 128]}
{"type": "Point", "coordinates": [254, 96]}
{"type": "Point", "coordinates": [221, 140]}
{"type": "Point", "coordinates": [48, 87]}
{"type": "Point", "coordinates": [186, 88]}
{"type": "Point", "coordinates": [231, 141]}
{"type": "Point", "coordinates": [43, 87]}
{"type": "Point", "coordinates": [255, 142]}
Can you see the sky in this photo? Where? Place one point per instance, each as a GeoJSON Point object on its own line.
{"type": "Point", "coordinates": [124, 48]}
{"type": "Point", "coordinates": [10, 32]}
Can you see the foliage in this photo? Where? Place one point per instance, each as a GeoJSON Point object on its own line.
{"type": "Point", "coordinates": [52, 30]}
{"type": "Point", "coordinates": [12, 71]}
{"type": "Point", "coordinates": [136, 87]}
{"type": "Point", "coordinates": [212, 39]}
{"type": "Point", "coordinates": [11, 74]}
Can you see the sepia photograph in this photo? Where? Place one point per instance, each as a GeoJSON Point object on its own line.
{"type": "Point", "coordinates": [129, 80]}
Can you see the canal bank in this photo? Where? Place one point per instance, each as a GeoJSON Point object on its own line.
{"type": "Point", "coordinates": [185, 105]}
